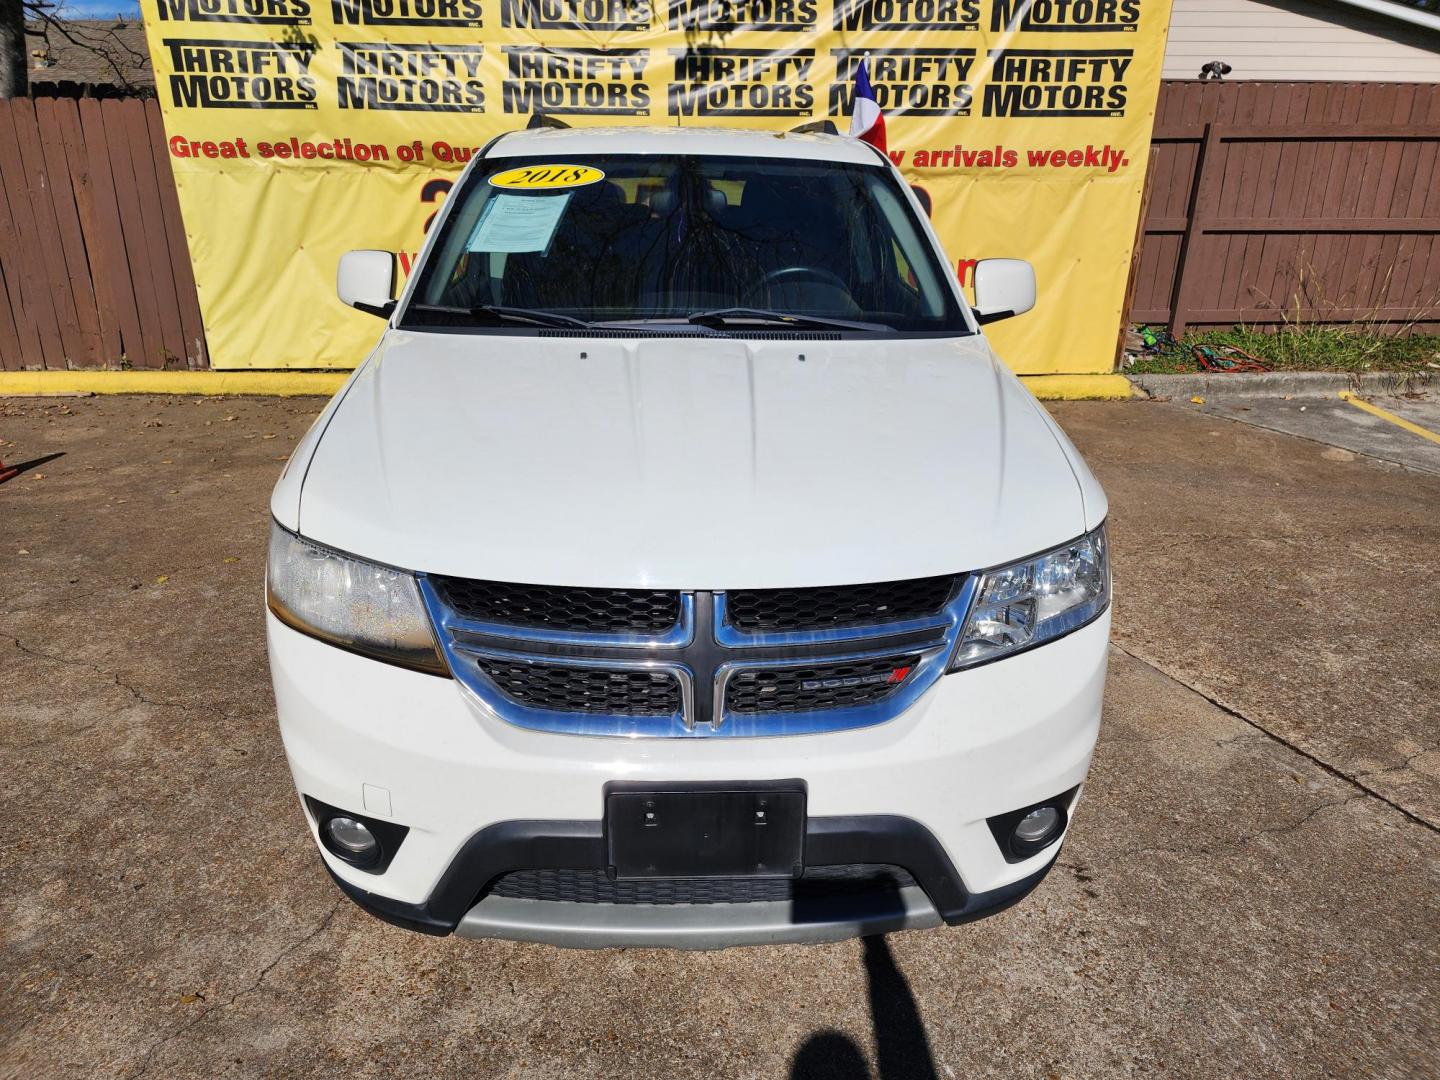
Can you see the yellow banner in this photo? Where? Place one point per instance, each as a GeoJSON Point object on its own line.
{"type": "Point", "coordinates": [299, 129]}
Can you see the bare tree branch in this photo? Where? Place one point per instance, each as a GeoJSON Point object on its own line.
{"type": "Point", "coordinates": [101, 41]}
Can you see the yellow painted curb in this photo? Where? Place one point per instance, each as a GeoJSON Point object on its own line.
{"type": "Point", "coordinates": [1079, 387]}
{"type": "Point", "coordinates": [260, 383]}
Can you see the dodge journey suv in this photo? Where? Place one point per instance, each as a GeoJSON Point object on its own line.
{"type": "Point", "coordinates": [682, 567]}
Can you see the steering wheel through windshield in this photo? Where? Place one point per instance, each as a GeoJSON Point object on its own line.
{"type": "Point", "coordinates": [786, 273]}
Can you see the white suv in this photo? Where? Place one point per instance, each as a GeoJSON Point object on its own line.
{"type": "Point", "coordinates": [683, 568]}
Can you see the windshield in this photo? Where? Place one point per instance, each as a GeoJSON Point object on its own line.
{"type": "Point", "coordinates": [717, 241]}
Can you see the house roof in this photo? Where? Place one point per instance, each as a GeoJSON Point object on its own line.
{"type": "Point", "coordinates": [1423, 13]}
{"type": "Point", "coordinates": [89, 53]}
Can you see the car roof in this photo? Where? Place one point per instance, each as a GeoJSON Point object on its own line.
{"type": "Point", "coordinates": [719, 142]}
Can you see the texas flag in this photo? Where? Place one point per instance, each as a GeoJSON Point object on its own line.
{"type": "Point", "coordinates": [867, 122]}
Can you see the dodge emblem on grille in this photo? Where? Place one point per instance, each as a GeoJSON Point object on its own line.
{"type": "Point", "coordinates": [894, 677]}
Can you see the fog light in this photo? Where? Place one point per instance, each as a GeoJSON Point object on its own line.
{"type": "Point", "coordinates": [1031, 829]}
{"type": "Point", "coordinates": [1037, 826]}
{"type": "Point", "coordinates": [366, 843]}
{"type": "Point", "coordinates": [351, 840]}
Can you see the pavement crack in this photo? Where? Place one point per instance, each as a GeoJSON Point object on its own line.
{"type": "Point", "coordinates": [1402, 766]}
{"type": "Point", "coordinates": [114, 677]}
{"type": "Point", "coordinates": [1301, 822]}
{"type": "Point", "coordinates": [1207, 851]}
{"type": "Point", "coordinates": [1356, 781]}
{"type": "Point", "coordinates": [149, 1059]}
{"type": "Point", "coordinates": [312, 935]}
{"type": "Point", "coordinates": [71, 599]}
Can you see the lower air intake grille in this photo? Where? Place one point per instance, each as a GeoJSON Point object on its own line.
{"type": "Point", "coordinates": [594, 887]}
{"type": "Point", "coordinates": [821, 686]}
{"type": "Point", "coordinates": [551, 607]}
{"type": "Point", "coordinates": [829, 606]}
{"type": "Point", "coordinates": [563, 688]}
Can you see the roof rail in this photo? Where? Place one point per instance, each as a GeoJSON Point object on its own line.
{"type": "Point", "coordinates": [815, 127]}
{"type": "Point", "coordinates": [544, 120]}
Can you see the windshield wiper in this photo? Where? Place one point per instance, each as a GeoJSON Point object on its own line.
{"type": "Point", "coordinates": [722, 317]}
{"type": "Point", "coordinates": [502, 313]}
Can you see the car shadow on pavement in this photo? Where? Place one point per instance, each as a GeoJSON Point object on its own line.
{"type": "Point", "coordinates": [902, 1049]}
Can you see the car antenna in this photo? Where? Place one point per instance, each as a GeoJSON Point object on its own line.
{"type": "Point", "coordinates": [544, 120]}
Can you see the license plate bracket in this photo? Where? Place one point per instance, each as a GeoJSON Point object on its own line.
{"type": "Point", "coordinates": [705, 830]}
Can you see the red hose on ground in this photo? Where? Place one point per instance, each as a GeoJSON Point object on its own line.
{"type": "Point", "coordinates": [1226, 358]}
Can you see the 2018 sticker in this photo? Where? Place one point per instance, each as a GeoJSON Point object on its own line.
{"type": "Point", "coordinates": [539, 177]}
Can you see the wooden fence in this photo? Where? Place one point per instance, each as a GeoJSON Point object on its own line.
{"type": "Point", "coordinates": [1271, 202]}
{"type": "Point", "coordinates": [94, 267]}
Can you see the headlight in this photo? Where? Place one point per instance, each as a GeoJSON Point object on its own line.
{"type": "Point", "coordinates": [1036, 601]}
{"type": "Point", "coordinates": [347, 602]}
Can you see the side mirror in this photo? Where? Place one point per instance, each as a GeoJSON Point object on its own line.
{"type": "Point", "coordinates": [365, 280]}
{"type": "Point", "coordinates": [1003, 287]}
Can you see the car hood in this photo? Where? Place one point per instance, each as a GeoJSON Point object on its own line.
{"type": "Point", "coordinates": [688, 462]}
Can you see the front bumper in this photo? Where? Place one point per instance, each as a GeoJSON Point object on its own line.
{"type": "Point", "coordinates": [415, 749]}
{"type": "Point", "coordinates": [938, 895]}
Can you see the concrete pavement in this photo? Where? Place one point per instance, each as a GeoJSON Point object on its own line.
{"type": "Point", "coordinates": [1313, 405]}
{"type": "Point", "coordinates": [1250, 884]}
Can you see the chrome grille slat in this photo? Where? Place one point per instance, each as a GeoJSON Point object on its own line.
{"type": "Point", "coordinates": [760, 611]}
{"type": "Point", "coordinates": [567, 688]}
{"type": "Point", "coordinates": [818, 685]}
{"type": "Point", "coordinates": [561, 609]}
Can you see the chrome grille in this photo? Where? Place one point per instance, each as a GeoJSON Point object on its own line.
{"type": "Point", "coordinates": [658, 663]}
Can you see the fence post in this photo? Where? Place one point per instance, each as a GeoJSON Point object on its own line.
{"type": "Point", "coordinates": [1204, 202]}
{"type": "Point", "coordinates": [1135, 253]}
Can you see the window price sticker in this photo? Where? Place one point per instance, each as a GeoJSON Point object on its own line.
{"type": "Point", "coordinates": [518, 223]}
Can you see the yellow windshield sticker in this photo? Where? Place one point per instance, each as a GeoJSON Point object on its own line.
{"type": "Point", "coordinates": [540, 177]}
